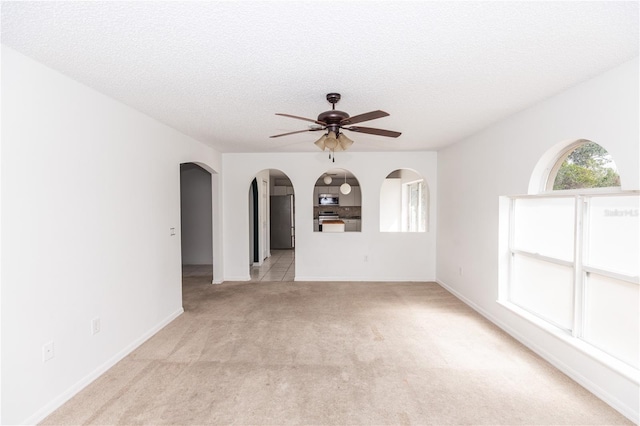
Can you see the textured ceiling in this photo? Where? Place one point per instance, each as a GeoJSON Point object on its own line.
{"type": "Point", "coordinates": [218, 71]}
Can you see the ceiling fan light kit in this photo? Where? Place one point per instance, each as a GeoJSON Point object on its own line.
{"type": "Point", "coordinates": [333, 121]}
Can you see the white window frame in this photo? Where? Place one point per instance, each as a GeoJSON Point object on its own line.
{"type": "Point", "coordinates": [406, 205]}
{"type": "Point", "coordinates": [575, 333]}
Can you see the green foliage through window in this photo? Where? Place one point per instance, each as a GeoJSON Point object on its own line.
{"type": "Point", "coordinates": [588, 166]}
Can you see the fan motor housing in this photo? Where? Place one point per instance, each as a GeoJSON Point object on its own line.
{"type": "Point", "coordinates": [332, 117]}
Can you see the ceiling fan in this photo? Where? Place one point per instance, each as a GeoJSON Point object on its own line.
{"type": "Point", "coordinates": [334, 121]}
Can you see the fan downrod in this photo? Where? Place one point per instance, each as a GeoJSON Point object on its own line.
{"type": "Point", "coordinates": [333, 117]}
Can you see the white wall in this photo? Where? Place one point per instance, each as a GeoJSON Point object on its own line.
{"type": "Point", "coordinates": [391, 205]}
{"type": "Point", "coordinates": [473, 173]}
{"type": "Point", "coordinates": [196, 218]}
{"type": "Point", "coordinates": [335, 256]}
{"type": "Point", "coordinates": [264, 224]}
{"type": "Point", "coordinates": [90, 189]}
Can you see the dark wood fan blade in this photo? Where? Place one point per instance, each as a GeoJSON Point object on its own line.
{"type": "Point", "coordinates": [364, 117]}
{"type": "Point", "coordinates": [293, 133]}
{"type": "Point", "coordinates": [302, 118]}
{"type": "Point", "coordinates": [372, 131]}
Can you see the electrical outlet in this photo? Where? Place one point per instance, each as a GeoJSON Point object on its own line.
{"type": "Point", "coordinates": [460, 270]}
{"type": "Point", "coordinates": [366, 258]}
{"type": "Point", "coordinates": [95, 326]}
{"type": "Point", "coordinates": [47, 352]}
{"type": "Point", "coordinates": [172, 231]}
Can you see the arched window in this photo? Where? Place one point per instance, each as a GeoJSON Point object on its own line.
{"type": "Point", "coordinates": [403, 202]}
{"type": "Point", "coordinates": [573, 254]}
{"type": "Point", "coordinates": [584, 164]}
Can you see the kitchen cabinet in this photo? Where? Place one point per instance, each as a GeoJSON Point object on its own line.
{"type": "Point", "coordinates": [351, 225]}
{"type": "Point", "coordinates": [347, 200]}
{"type": "Point", "coordinates": [282, 190]}
{"type": "Point", "coordinates": [354, 198]}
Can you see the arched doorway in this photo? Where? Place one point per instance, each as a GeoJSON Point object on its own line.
{"type": "Point", "coordinates": [271, 227]}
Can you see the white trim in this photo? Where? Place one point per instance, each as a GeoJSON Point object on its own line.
{"type": "Point", "coordinates": [610, 274]}
{"type": "Point", "coordinates": [417, 280]}
{"type": "Point", "coordinates": [588, 349]}
{"type": "Point", "coordinates": [587, 192]}
{"type": "Point", "coordinates": [628, 411]}
{"type": "Point", "coordinates": [237, 278]}
{"type": "Point", "coordinates": [57, 402]}
{"type": "Point", "coordinates": [537, 256]}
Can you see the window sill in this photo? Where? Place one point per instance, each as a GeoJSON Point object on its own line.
{"type": "Point", "coordinates": [598, 355]}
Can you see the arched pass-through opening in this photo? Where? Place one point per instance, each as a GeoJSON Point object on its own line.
{"type": "Point", "coordinates": [404, 202]}
{"type": "Point", "coordinates": [271, 227]}
{"type": "Point", "coordinates": [196, 222]}
{"type": "Point", "coordinates": [337, 202]}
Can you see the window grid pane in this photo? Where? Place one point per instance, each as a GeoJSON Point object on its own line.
{"type": "Point", "coordinates": [611, 317]}
{"type": "Point", "coordinates": [544, 289]}
{"type": "Point", "coordinates": [545, 226]}
{"type": "Point", "coordinates": [611, 221]}
{"type": "Point", "coordinates": [543, 278]}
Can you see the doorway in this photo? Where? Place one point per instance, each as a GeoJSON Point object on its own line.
{"type": "Point", "coordinates": [271, 227]}
{"type": "Point", "coordinates": [196, 224]}
{"type": "Point", "coordinates": [254, 226]}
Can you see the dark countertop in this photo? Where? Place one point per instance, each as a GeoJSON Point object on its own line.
{"type": "Point", "coordinates": [343, 217]}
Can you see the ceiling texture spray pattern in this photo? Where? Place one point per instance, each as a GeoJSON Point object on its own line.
{"type": "Point", "coordinates": [218, 71]}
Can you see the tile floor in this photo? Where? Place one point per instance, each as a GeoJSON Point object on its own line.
{"type": "Point", "coordinates": [279, 267]}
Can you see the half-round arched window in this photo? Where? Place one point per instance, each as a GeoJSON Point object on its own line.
{"type": "Point", "coordinates": [584, 164]}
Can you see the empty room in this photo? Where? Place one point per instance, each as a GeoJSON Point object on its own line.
{"type": "Point", "coordinates": [305, 212]}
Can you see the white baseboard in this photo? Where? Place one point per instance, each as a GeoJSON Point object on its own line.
{"type": "Point", "coordinates": [237, 278]}
{"type": "Point", "coordinates": [629, 412]}
{"type": "Point", "coordinates": [360, 279]}
{"type": "Point", "coordinates": [58, 401]}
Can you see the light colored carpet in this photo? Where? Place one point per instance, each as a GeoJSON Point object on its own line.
{"type": "Point", "coordinates": [331, 353]}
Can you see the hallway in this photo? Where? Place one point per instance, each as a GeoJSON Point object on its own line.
{"type": "Point", "coordinates": [279, 267]}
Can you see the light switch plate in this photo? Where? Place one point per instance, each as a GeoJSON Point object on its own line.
{"type": "Point", "coordinates": [47, 352]}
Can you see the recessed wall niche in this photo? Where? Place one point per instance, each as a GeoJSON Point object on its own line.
{"type": "Point", "coordinates": [337, 202]}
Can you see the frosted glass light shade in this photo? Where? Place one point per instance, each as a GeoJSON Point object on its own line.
{"type": "Point", "coordinates": [331, 142]}
{"type": "Point", "coordinates": [345, 188]}
{"type": "Point", "coordinates": [320, 142]}
{"type": "Point", "coordinates": [327, 180]}
{"type": "Point", "coordinates": [344, 141]}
